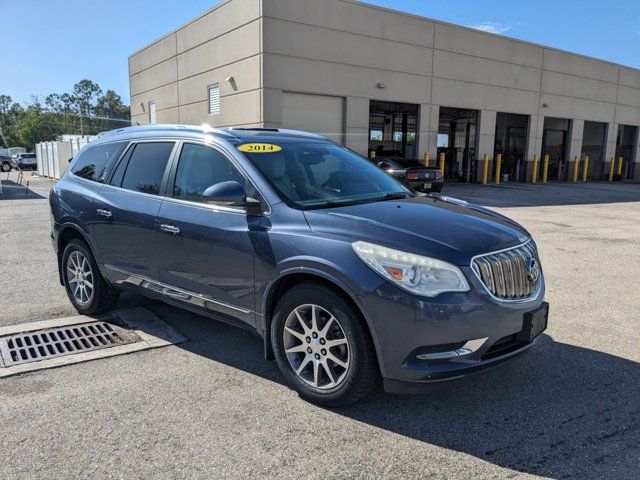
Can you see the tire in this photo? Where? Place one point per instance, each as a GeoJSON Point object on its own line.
{"type": "Point", "coordinates": [5, 167]}
{"type": "Point", "coordinates": [332, 384]}
{"type": "Point", "coordinates": [100, 298]}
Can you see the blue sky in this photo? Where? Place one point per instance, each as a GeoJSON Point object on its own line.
{"type": "Point", "coordinates": [47, 45]}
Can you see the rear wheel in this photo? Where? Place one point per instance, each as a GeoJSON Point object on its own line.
{"type": "Point", "coordinates": [88, 291]}
{"type": "Point", "coordinates": [322, 346]}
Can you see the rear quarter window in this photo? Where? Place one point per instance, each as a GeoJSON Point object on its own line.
{"type": "Point", "coordinates": [92, 163]}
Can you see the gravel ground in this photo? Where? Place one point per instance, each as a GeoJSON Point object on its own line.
{"type": "Point", "coordinates": [213, 408]}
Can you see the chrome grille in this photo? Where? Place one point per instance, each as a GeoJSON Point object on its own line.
{"type": "Point", "coordinates": [506, 273]}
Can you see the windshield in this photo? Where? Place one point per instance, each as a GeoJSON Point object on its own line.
{"type": "Point", "coordinates": [320, 174]}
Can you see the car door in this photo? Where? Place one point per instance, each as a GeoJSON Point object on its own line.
{"type": "Point", "coordinates": [206, 251]}
{"type": "Point", "coordinates": [128, 206]}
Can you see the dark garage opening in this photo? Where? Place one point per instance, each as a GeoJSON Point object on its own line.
{"type": "Point", "coordinates": [457, 131]}
{"type": "Point", "coordinates": [554, 144]}
{"type": "Point", "coordinates": [511, 140]}
{"type": "Point", "coordinates": [393, 129]}
{"type": "Point", "coordinates": [625, 144]}
{"type": "Point", "coordinates": [594, 138]}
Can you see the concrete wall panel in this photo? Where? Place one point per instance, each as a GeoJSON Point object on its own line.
{"type": "Point", "coordinates": [235, 110]}
{"type": "Point", "coordinates": [154, 77]}
{"type": "Point", "coordinates": [454, 93]}
{"type": "Point", "coordinates": [295, 74]}
{"type": "Point", "coordinates": [629, 96]}
{"type": "Point", "coordinates": [218, 21]}
{"type": "Point", "coordinates": [480, 70]}
{"type": "Point", "coordinates": [236, 45]}
{"type": "Point", "coordinates": [582, 66]}
{"type": "Point", "coordinates": [629, 77]}
{"type": "Point", "coordinates": [153, 54]}
{"type": "Point", "coordinates": [353, 17]}
{"type": "Point", "coordinates": [567, 107]}
{"type": "Point", "coordinates": [627, 115]}
{"type": "Point", "coordinates": [579, 87]}
{"type": "Point", "coordinates": [328, 45]}
{"type": "Point", "coordinates": [246, 76]}
{"type": "Point", "coordinates": [473, 42]}
{"type": "Point", "coordinates": [165, 97]}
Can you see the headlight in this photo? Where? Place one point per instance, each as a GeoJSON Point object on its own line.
{"type": "Point", "coordinates": [414, 273]}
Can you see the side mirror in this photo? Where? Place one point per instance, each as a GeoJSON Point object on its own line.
{"type": "Point", "coordinates": [231, 194]}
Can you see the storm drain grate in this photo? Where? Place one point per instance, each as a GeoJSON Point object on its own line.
{"type": "Point", "coordinates": [57, 342]}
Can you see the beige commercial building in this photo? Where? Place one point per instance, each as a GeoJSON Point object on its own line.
{"type": "Point", "coordinates": [395, 84]}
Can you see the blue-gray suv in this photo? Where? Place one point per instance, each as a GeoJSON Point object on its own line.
{"type": "Point", "coordinates": [346, 275]}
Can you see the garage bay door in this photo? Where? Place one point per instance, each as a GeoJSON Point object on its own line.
{"type": "Point", "coordinates": [314, 113]}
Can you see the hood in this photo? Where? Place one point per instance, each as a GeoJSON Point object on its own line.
{"type": "Point", "coordinates": [438, 227]}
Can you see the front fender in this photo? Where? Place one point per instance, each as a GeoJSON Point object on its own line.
{"type": "Point", "coordinates": [356, 284]}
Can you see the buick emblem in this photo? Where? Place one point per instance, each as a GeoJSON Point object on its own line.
{"type": "Point", "coordinates": [533, 270]}
{"type": "Point", "coordinates": [426, 175]}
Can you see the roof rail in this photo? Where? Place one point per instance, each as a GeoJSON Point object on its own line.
{"type": "Point", "coordinates": [164, 127]}
{"type": "Point", "coordinates": [286, 131]}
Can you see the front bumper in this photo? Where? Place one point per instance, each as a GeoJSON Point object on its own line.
{"type": "Point", "coordinates": [405, 326]}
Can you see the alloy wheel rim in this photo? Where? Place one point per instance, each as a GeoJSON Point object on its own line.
{"type": "Point", "coordinates": [316, 346]}
{"type": "Point", "coordinates": [80, 278]}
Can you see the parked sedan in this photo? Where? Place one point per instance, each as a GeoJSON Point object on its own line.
{"type": "Point", "coordinates": [413, 174]}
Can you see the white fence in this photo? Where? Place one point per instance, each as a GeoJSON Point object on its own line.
{"type": "Point", "coordinates": [53, 157]}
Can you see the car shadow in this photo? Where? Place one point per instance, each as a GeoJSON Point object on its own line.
{"type": "Point", "coordinates": [550, 194]}
{"type": "Point", "coordinates": [560, 411]}
{"type": "Point", "coordinates": [15, 191]}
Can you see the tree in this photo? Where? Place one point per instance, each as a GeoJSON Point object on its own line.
{"type": "Point", "coordinates": [84, 111]}
{"type": "Point", "coordinates": [111, 112]}
{"type": "Point", "coordinates": [9, 114]}
{"type": "Point", "coordinates": [35, 125]}
{"type": "Point", "coordinates": [84, 93]}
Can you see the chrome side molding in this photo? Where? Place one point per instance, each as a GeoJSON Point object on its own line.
{"type": "Point", "coordinates": [172, 292]}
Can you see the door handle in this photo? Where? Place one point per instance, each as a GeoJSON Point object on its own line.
{"type": "Point", "coordinates": [170, 229]}
{"type": "Point", "coordinates": [104, 213]}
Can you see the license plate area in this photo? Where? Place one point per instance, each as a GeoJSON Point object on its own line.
{"type": "Point", "coordinates": [534, 323]}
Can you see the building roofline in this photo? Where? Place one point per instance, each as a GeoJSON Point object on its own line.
{"type": "Point", "coordinates": [456, 25]}
{"type": "Point", "coordinates": [404, 14]}
{"type": "Point", "coordinates": [175, 30]}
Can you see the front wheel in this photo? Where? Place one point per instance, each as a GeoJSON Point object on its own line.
{"type": "Point", "coordinates": [88, 291]}
{"type": "Point", "coordinates": [322, 346]}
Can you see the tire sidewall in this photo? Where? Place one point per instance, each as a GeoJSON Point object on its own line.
{"type": "Point", "coordinates": [339, 309]}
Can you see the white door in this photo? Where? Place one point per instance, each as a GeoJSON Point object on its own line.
{"type": "Point", "coordinates": [314, 113]}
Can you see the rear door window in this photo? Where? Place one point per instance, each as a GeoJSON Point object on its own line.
{"type": "Point", "coordinates": [93, 163]}
{"type": "Point", "coordinates": [143, 169]}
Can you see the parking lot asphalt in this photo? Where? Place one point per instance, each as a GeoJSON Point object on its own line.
{"type": "Point", "coordinates": [214, 408]}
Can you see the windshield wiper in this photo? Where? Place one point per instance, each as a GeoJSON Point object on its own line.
{"type": "Point", "coordinates": [357, 201]}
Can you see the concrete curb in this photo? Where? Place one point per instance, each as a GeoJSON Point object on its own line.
{"type": "Point", "coordinates": [151, 330]}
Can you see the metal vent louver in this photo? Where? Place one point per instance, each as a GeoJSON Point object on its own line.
{"type": "Point", "coordinates": [507, 274]}
{"type": "Point", "coordinates": [57, 342]}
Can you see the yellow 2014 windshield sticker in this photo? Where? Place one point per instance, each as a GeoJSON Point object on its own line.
{"type": "Point", "coordinates": [259, 148]}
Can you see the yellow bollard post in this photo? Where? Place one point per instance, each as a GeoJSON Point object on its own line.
{"type": "Point", "coordinates": [426, 159]}
{"type": "Point", "coordinates": [545, 169]}
{"type": "Point", "coordinates": [498, 168]}
{"type": "Point", "coordinates": [372, 154]}
{"type": "Point", "coordinates": [585, 168]}
{"type": "Point", "coordinates": [485, 168]}
{"type": "Point", "coordinates": [612, 165]}
{"type": "Point", "coordinates": [442, 157]}
{"type": "Point", "coordinates": [619, 165]}
{"type": "Point", "coordinates": [576, 166]}
{"type": "Point", "coordinates": [534, 173]}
